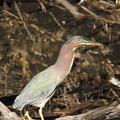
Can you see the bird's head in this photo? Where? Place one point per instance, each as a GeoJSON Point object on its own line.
{"type": "Point", "coordinates": [80, 41]}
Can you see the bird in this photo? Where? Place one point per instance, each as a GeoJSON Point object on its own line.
{"type": "Point", "coordinates": [42, 86]}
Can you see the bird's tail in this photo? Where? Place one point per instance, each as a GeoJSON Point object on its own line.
{"type": "Point", "coordinates": [16, 106]}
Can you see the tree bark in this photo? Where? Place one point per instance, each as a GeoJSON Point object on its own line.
{"type": "Point", "coordinates": [102, 113]}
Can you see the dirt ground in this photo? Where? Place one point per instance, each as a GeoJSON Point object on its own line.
{"type": "Point", "coordinates": [31, 35]}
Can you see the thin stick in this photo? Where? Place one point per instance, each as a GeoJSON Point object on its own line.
{"type": "Point", "coordinates": [55, 5]}
{"type": "Point", "coordinates": [116, 95]}
{"type": "Point", "coordinates": [72, 9]}
{"type": "Point", "coordinates": [98, 17]}
{"type": "Point", "coordinates": [11, 14]}
{"type": "Point", "coordinates": [42, 5]}
{"type": "Point", "coordinates": [107, 3]}
{"type": "Point", "coordinates": [56, 21]}
{"type": "Point", "coordinates": [24, 24]}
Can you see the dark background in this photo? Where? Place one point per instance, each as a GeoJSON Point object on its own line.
{"type": "Point", "coordinates": [31, 35]}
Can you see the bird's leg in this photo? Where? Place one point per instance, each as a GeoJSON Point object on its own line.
{"type": "Point", "coordinates": [40, 113]}
{"type": "Point", "coordinates": [27, 115]}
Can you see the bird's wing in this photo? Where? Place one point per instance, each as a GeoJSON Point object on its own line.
{"type": "Point", "coordinates": [41, 86]}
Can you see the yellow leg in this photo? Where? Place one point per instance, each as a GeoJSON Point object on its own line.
{"type": "Point", "coordinates": [40, 113]}
{"type": "Point", "coordinates": [27, 115]}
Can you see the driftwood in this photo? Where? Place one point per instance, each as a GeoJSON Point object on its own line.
{"type": "Point", "coordinates": [102, 113]}
{"type": "Point", "coordinates": [7, 114]}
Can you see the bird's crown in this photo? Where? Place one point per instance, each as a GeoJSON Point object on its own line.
{"type": "Point", "coordinates": [79, 38]}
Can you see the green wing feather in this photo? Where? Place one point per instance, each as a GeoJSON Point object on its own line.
{"type": "Point", "coordinates": [40, 87]}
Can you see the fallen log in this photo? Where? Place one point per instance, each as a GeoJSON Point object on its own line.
{"type": "Point", "coordinates": [102, 113]}
{"type": "Point", "coordinates": [7, 114]}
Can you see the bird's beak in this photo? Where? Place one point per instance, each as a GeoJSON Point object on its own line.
{"type": "Point", "coordinates": [89, 42]}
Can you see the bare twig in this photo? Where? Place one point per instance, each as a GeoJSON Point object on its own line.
{"type": "Point", "coordinates": [118, 2]}
{"type": "Point", "coordinates": [114, 93]}
{"type": "Point", "coordinates": [11, 14]}
{"type": "Point", "coordinates": [42, 5]}
{"type": "Point", "coordinates": [56, 21]}
{"type": "Point", "coordinates": [55, 5]}
{"type": "Point", "coordinates": [20, 15]}
{"type": "Point", "coordinates": [71, 8]}
{"type": "Point", "coordinates": [99, 17]}
{"type": "Point", "coordinates": [81, 1]}
{"type": "Point", "coordinates": [107, 3]}
{"type": "Point", "coordinates": [38, 28]}
{"type": "Point", "coordinates": [44, 31]}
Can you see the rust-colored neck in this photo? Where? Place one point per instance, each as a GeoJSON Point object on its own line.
{"type": "Point", "coordinates": [64, 62]}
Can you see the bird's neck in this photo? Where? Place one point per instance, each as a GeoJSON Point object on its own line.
{"type": "Point", "coordinates": [64, 62]}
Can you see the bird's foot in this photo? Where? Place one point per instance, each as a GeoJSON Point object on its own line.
{"type": "Point", "coordinates": [27, 116]}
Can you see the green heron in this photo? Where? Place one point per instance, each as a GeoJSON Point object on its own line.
{"type": "Point", "coordinates": [42, 87]}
